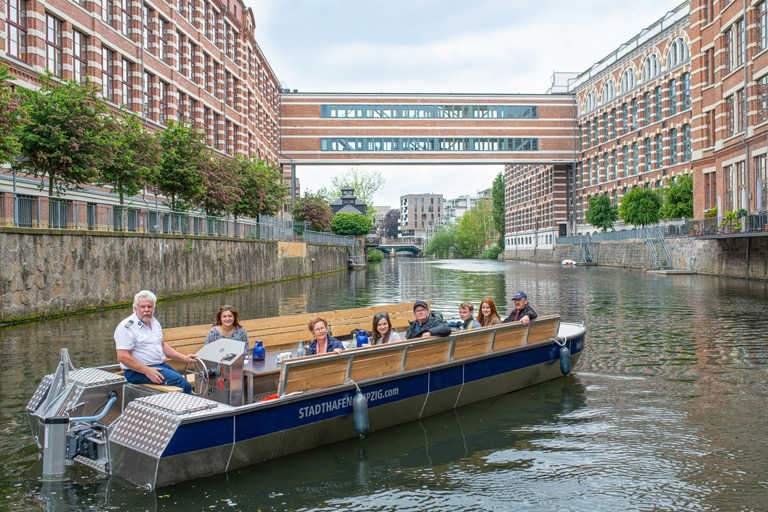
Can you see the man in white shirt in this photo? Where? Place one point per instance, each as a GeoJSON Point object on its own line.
{"type": "Point", "coordinates": [141, 350]}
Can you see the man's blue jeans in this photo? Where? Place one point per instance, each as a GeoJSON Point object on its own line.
{"type": "Point", "coordinates": [170, 377]}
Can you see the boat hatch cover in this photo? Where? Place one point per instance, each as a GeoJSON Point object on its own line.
{"type": "Point", "coordinates": [177, 403]}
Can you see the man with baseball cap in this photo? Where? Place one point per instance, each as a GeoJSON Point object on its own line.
{"type": "Point", "coordinates": [523, 312]}
{"type": "Point", "coordinates": [426, 323]}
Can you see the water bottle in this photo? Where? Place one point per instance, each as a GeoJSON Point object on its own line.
{"type": "Point", "coordinates": [362, 339]}
{"type": "Point", "coordinates": [258, 351]}
{"type": "Point", "coordinates": [300, 352]}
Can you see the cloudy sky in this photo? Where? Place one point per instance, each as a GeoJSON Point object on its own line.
{"type": "Point", "coordinates": [438, 46]}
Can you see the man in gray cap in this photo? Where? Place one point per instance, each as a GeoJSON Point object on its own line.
{"type": "Point", "coordinates": [426, 323]}
{"type": "Point", "coordinates": [523, 312]}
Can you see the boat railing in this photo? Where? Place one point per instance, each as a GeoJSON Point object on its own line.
{"type": "Point", "coordinates": [326, 370]}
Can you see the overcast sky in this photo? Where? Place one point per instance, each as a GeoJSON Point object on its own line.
{"type": "Point", "coordinates": [438, 46]}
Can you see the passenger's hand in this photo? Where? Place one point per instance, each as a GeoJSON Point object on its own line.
{"type": "Point", "coordinates": [154, 375]}
{"type": "Point", "coordinates": [525, 320]}
{"type": "Point", "coordinates": [425, 334]}
{"type": "Point", "coordinates": [191, 358]}
{"type": "Point", "coordinates": [337, 351]}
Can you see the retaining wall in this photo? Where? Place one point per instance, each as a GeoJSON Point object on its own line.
{"type": "Point", "coordinates": [733, 257]}
{"type": "Point", "coordinates": [45, 272]}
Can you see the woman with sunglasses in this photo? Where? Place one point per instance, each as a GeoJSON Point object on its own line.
{"type": "Point", "coordinates": [382, 329]}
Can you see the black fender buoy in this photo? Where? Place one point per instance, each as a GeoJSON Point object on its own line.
{"type": "Point", "coordinates": [565, 360]}
{"type": "Point", "coordinates": [360, 413]}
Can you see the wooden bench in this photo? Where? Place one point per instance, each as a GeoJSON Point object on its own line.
{"type": "Point", "coordinates": [283, 331]}
{"type": "Point", "coordinates": [326, 370]}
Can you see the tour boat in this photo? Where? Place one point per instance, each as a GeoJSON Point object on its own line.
{"type": "Point", "coordinates": [245, 412]}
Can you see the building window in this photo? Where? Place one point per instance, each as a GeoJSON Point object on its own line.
{"type": "Point", "coordinates": [740, 42]}
{"type": "Point", "coordinates": [647, 108]}
{"type": "Point", "coordinates": [181, 52]}
{"type": "Point", "coordinates": [590, 103]}
{"type": "Point", "coordinates": [686, 143]}
{"type": "Point", "coordinates": [710, 190]}
{"type": "Point", "coordinates": [108, 11]}
{"type": "Point", "coordinates": [728, 178]}
{"type": "Point", "coordinates": [740, 118]}
{"type": "Point", "coordinates": [659, 151]}
{"type": "Point", "coordinates": [650, 67]}
{"type": "Point", "coordinates": [710, 126]}
{"type": "Point", "coordinates": [740, 195]}
{"type": "Point", "coordinates": [147, 37]}
{"type": "Point", "coordinates": [658, 105]}
{"type": "Point", "coordinates": [672, 97]}
{"type": "Point", "coordinates": [54, 49]}
{"type": "Point", "coordinates": [192, 62]}
{"type": "Point", "coordinates": [125, 17]}
{"type": "Point", "coordinates": [605, 126]}
{"type": "Point", "coordinates": [686, 91]}
{"type": "Point", "coordinates": [762, 28]}
{"type": "Point", "coordinates": [709, 66]}
{"type": "Point", "coordinates": [647, 154]}
{"type": "Point", "coordinates": [16, 11]}
{"type": "Point", "coordinates": [762, 99]}
{"type": "Point", "coordinates": [162, 38]}
{"type": "Point", "coordinates": [609, 90]}
{"type": "Point", "coordinates": [673, 146]}
{"type": "Point", "coordinates": [625, 162]}
{"type": "Point", "coordinates": [678, 53]}
{"type": "Point", "coordinates": [624, 119]}
{"type": "Point", "coordinates": [708, 13]}
{"type": "Point", "coordinates": [149, 81]}
{"type": "Point", "coordinates": [127, 85]}
{"type": "Point", "coordinates": [79, 56]}
{"type": "Point", "coordinates": [614, 158]}
{"type": "Point", "coordinates": [612, 123]}
{"type": "Point", "coordinates": [633, 115]}
{"type": "Point", "coordinates": [635, 157]}
{"type": "Point", "coordinates": [760, 174]}
{"type": "Point", "coordinates": [162, 95]}
{"type": "Point", "coordinates": [107, 73]}
{"type": "Point", "coordinates": [728, 47]}
{"type": "Point", "coordinates": [729, 120]}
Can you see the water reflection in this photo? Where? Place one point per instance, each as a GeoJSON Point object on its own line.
{"type": "Point", "coordinates": [665, 410]}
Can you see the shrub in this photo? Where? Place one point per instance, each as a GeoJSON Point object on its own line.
{"type": "Point", "coordinates": [492, 253]}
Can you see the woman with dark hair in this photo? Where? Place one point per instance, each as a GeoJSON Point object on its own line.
{"type": "Point", "coordinates": [228, 326]}
{"type": "Point", "coordinates": [488, 314]}
{"type": "Point", "coordinates": [382, 329]}
{"type": "Point", "coordinates": [324, 342]}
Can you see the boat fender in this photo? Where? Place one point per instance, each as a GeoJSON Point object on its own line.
{"type": "Point", "coordinates": [360, 413]}
{"type": "Point", "coordinates": [565, 360]}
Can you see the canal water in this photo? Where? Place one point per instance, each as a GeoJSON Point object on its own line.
{"type": "Point", "coordinates": [666, 410]}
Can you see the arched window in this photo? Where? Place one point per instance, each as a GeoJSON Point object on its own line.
{"type": "Point", "coordinates": [650, 67]}
{"type": "Point", "coordinates": [609, 91]}
{"type": "Point", "coordinates": [591, 102]}
{"type": "Point", "coordinates": [678, 52]}
{"type": "Point", "coordinates": [627, 80]}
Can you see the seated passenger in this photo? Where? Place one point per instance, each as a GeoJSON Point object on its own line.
{"type": "Point", "coordinates": [488, 314]}
{"type": "Point", "coordinates": [227, 325]}
{"type": "Point", "coordinates": [523, 311]}
{"type": "Point", "coordinates": [382, 329]}
{"type": "Point", "coordinates": [426, 323]}
{"type": "Point", "coordinates": [324, 342]}
{"type": "Point", "coordinates": [466, 309]}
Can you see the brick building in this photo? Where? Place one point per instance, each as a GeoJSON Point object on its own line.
{"type": "Point", "coordinates": [187, 61]}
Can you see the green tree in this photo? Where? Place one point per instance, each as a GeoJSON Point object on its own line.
{"type": "Point", "coordinates": [136, 156]}
{"type": "Point", "coordinates": [640, 207]}
{"type": "Point", "coordinates": [221, 183]}
{"type": "Point", "coordinates": [11, 117]}
{"type": "Point", "coordinates": [351, 224]}
{"type": "Point", "coordinates": [181, 178]}
{"type": "Point", "coordinates": [391, 223]}
{"type": "Point", "coordinates": [313, 208]}
{"type": "Point", "coordinates": [601, 213]}
{"type": "Point", "coordinates": [678, 198]}
{"type": "Point", "coordinates": [261, 189]}
{"type": "Point", "coordinates": [472, 233]}
{"type": "Point", "coordinates": [443, 242]}
{"type": "Point", "coordinates": [65, 138]}
{"type": "Point", "coordinates": [497, 200]}
{"type": "Point", "coordinates": [365, 182]}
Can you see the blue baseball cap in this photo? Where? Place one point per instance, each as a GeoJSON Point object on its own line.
{"type": "Point", "coordinates": [520, 295]}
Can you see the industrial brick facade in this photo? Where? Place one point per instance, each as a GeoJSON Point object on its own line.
{"type": "Point", "coordinates": [192, 61]}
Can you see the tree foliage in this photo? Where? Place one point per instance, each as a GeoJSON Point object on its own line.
{"type": "Point", "coordinates": [678, 198]}
{"type": "Point", "coordinates": [65, 138]}
{"type": "Point", "coordinates": [391, 223]}
{"type": "Point", "coordinates": [443, 242]}
{"type": "Point", "coordinates": [313, 208]}
{"type": "Point", "coordinates": [365, 182]}
{"type": "Point", "coordinates": [351, 224]}
{"type": "Point", "coordinates": [497, 200]}
{"type": "Point", "coordinates": [261, 188]}
{"type": "Point", "coordinates": [181, 178]}
{"type": "Point", "coordinates": [11, 118]}
{"type": "Point", "coordinates": [136, 156]}
{"type": "Point", "coordinates": [601, 213]}
{"type": "Point", "coordinates": [640, 207]}
{"type": "Point", "coordinates": [475, 229]}
{"type": "Point", "coordinates": [221, 183]}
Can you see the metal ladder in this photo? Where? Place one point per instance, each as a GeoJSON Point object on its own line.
{"type": "Point", "coordinates": [661, 257]}
{"type": "Point", "coordinates": [585, 249]}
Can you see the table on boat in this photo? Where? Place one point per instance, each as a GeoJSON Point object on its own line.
{"type": "Point", "coordinates": [266, 366]}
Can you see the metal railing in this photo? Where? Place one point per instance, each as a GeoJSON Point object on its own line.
{"type": "Point", "coordinates": [755, 222]}
{"type": "Point", "coordinates": [328, 238]}
{"type": "Point", "coordinates": [44, 212]}
{"type": "Point", "coordinates": [671, 227]}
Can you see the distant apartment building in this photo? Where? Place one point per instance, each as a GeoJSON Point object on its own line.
{"type": "Point", "coordinates": [189, 61]}
{"type": "Point", "coordinates": [419, 213]}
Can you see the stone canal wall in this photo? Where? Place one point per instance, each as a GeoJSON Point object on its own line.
{"type": "Point", "coordinates": [44, 272]}
{"type": "Point", "coordinates": [732, 257]}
